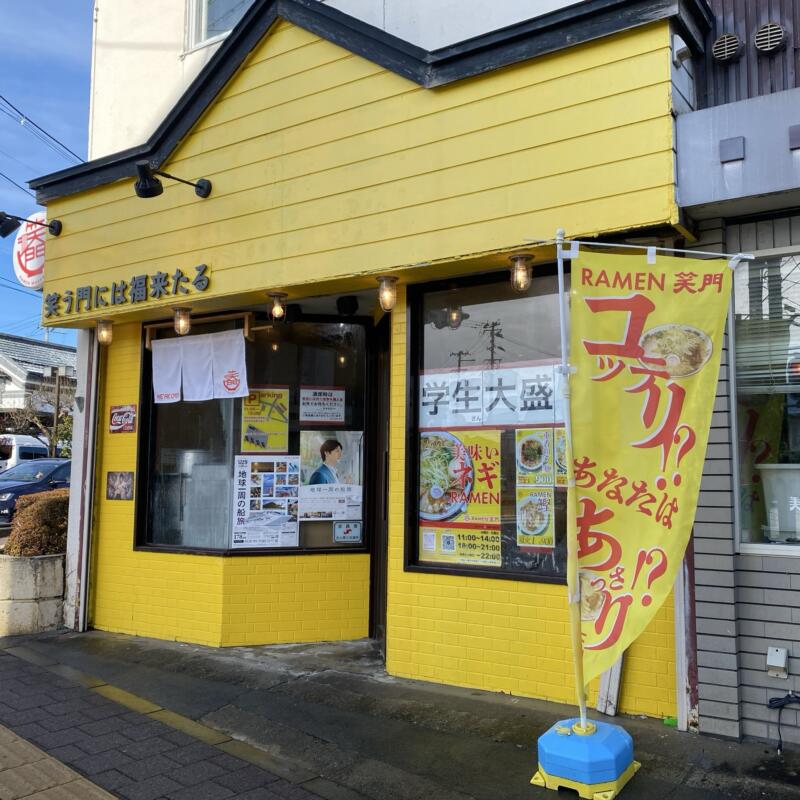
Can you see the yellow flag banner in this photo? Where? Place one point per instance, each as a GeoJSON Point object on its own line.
{"type": "Point", "coordinates": [645, 344]}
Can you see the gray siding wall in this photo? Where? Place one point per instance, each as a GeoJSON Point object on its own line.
{"type": "Point", "coordinates": [715, 592]}
{"type": "Point", "coordinates": [767, 587]}
{"type": "Point", "coordinates": [744, 603]}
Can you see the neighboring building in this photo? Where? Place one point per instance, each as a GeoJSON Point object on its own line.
{"type": "Point", "coordinates": [738, 154]}
{"type": "Point", "coordinates": [25, 367]}
{"type": "Point", "coordinates": [340, 152]}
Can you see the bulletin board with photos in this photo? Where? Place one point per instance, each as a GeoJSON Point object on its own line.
{"type": "Point", "coordinates": [490, 475]}
{"type": "Point", "coordinates": [299, 472]}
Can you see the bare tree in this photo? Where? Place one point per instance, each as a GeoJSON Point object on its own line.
{"type": "Point", "coordinates": [46, 414]}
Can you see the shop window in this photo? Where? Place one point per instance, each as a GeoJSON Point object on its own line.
{"type": "Point", "coordinates": [767, 379]}
{"type": "Point", "coordinates": [279, 471]}
{"type": "Point", "coordinates": [211, 19]}
{"type": "Point", "coordinates": [488, 472]}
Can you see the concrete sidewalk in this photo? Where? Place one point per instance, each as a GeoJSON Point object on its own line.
{"type": "Point", "coordinates": [327, 719]}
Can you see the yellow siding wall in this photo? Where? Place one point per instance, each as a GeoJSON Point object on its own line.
{"type": "Point", "coordinates": [205, 599]}
{"type": "Point", "coordinates": [507, 636]}
{"type": "Point", "coordinates": [325, 166]}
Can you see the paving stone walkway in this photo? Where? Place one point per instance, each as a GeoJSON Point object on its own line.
{"type": "Point", "coordinates": [133, 754]}
{"type": "Point", "coordinates": [28, 773]}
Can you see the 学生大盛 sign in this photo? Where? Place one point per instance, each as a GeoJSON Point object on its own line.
{"type": "Point", "coordinates": [645, 344]}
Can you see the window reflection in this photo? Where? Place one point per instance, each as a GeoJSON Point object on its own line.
{"type": "Point", "coordinates": [767, 357]}
{"type": "Point", "coordinates": [492, 477]}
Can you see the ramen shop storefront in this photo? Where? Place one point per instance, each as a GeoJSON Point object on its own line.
{"type": "Point", "coordinates": [355, 465]}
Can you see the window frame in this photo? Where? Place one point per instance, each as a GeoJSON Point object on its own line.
{"type": "Point", "coordinates": [196, 17]}
{"type": "Point", "coordinates": [747, 548]}
{"type": "Point", "coordinates": [414, 301]}
{"type": "Point", "coordinates": [144, 443]}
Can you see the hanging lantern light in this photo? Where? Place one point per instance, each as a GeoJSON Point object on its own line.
{"type": "Point", "coordinates": [183, 321]}
{"type": "Point", "coordinates": [387, 292]}
{"type": "Point", "coordinates": [278, 310]}
{"type": "Point", "coordinates": [521, 270]}
{"type": "Point", "coordinates": [341, 360]}
{"type": "Point", "coordinates": [275, 347]}
{"type": "Point", "coordinates": [454, 315]}
{"type": "Point", "coordinates": [105, 331]}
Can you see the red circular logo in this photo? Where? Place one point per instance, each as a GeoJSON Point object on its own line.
{"type": "Point", "coordinates": [231, 380]}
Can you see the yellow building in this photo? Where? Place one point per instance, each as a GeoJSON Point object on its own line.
{"type": "Point", "coordinates": [337, 470]}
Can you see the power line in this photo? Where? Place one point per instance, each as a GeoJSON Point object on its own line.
{"type": "Point", "coordinates": [21, 188]}
{"type": "Point", "coordinates": [12, 285]}
{"type": "Point", "coordinates": [21, 163]}
{"type": "Point", "coordinates": [24, 118]}
{"type": "Point", "coordinates": [18, 289]}
{"type": "Point", "coordinates": [39, 136]}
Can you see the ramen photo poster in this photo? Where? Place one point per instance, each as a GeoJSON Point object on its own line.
{"type": "Point", "coordinates": [459, 497]}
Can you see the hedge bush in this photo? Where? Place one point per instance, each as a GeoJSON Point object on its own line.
{"type": "Point", "coordinates": [39, 527]}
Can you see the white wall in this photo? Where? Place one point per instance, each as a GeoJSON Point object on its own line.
{"type": "Point", "coordinates": [141, 66]}
{"type": "Point", "coordinates": [435, 23]}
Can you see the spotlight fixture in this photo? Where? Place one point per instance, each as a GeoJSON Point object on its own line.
{"type": "Point", "coordinates": [10, 222]}
{"type": "Point", "coordinates": [521, 272]}
{"type": "Point", "coordinates": [347, 305]}
{"type": "Point", "coordinates": [183, 321]}
{"type": "Point", "coordinates": [149, 186]}
{"type": "Point", "coordinates": [278, 311]}
{"type": "Point", "coordinates": [387, 292]}
{"type": "Point", "coordinates": [105, 331]}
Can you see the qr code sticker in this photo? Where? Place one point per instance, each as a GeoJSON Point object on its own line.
{"type": "Point", "coordinates": [429, 542]}
{"type": "Point", "coordinates": [448, 543]}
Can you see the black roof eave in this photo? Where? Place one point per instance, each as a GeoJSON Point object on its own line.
{"type": "Point", "coordinates": [582, 22]}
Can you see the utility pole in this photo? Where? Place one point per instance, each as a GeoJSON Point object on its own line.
{"type": "Point", "coordinates": [461, 355]}
{"type": "Point", "coordinates": [494, 330]}
{"type": "Point", "coordinates": [58, 373]}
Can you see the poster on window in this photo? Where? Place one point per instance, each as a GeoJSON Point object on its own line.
{"type": "Point", "coordinates": [322, 405]}
{"type": "Point", "coordinates": [476, 546]}
{"type": "Point", "coordinates": [534, 448]}
{"type": "Point", "coordinates": [265, 420]}
{"type": "Point", "coordinates": [266, 496]}
{"type": "Point", "coordinates": [527, 394]}
{"type": "Point", "coordinates": [459, 477]}
{"type": "Point", "coordinates": [331, 470]}
{"type": "Point", "coordinates": [535, 518]}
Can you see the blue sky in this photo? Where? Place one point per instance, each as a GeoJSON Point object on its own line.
{"type": "Point", "coordinates": [45, 62]}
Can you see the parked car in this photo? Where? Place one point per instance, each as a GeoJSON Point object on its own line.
{"type": "Point", "coordinates": [16, 448]}
{"type": "Point", "coordinates": [30, 477]}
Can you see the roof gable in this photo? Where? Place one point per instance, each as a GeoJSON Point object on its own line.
{"type": "Point", "coordinates": [566, 27]}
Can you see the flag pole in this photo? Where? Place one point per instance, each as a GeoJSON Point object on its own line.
{"type": "Point", "coordinates": [573, 582]}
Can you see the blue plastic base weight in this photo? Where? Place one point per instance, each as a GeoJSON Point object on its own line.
{"type": "Point", "coordinates": [596, 762]}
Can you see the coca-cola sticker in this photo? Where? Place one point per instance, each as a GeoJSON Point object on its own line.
{"type": "Point", "coordinates": [122, 419]}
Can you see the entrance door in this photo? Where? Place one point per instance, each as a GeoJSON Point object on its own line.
{"type": "Point", "coordinates": [380, 508]}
